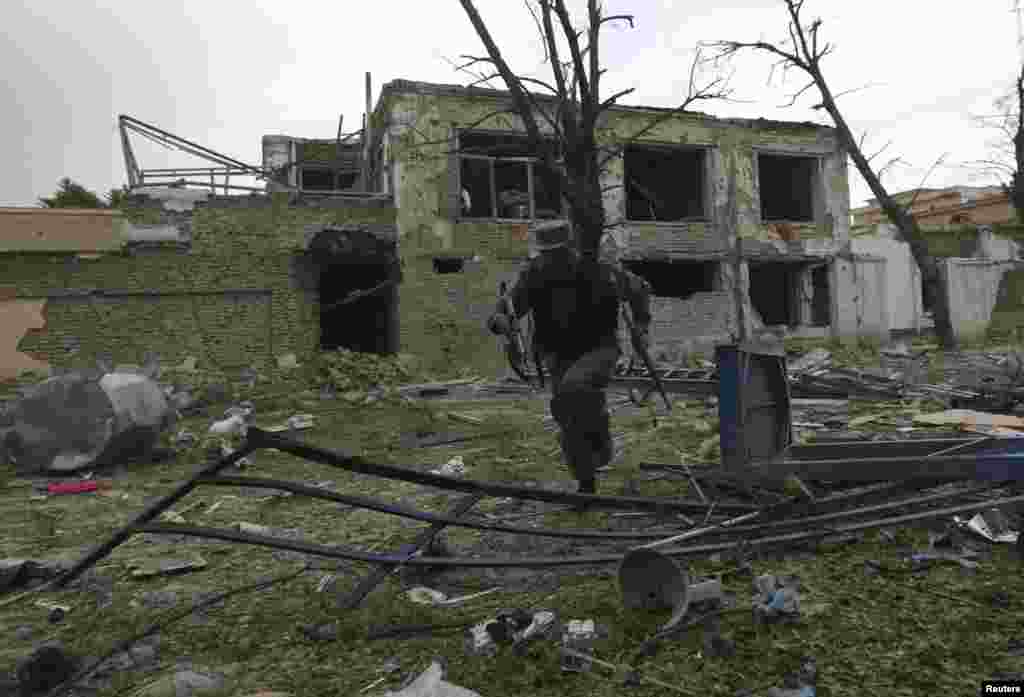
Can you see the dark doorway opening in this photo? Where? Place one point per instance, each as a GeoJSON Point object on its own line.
{"type": "Point", "coordinates": [676, 279]}
{"type": "Point", "coordinates": [774, 288]}
{"type": "Point", "coordinates": [348, 263]}
{"type": "Point", "coordinates": [821, 301]}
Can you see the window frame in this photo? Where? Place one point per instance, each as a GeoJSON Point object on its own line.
{"type": "Point", "coordinates": [706, 199]}
{"type": "Point", "coordinates": [817, 185]}
{"type": "Point", "coordinates": [529, 162]}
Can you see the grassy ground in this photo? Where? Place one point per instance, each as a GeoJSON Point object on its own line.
{"type": "Point", "coordinates": [933, 634]}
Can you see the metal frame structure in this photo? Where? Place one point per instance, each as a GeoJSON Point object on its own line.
{"type": "Point", "coordinates": [812, 520]}
{"type": "Point", "coordinates": [141, 178]}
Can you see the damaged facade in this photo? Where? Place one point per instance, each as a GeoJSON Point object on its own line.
{"type": "Point", "coordinates": [240, 281]}
{"type": "Point", "coordinates": [466, 186]}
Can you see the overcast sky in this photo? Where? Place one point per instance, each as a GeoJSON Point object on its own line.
{"type": "Point", "coordinates": [226, 72]}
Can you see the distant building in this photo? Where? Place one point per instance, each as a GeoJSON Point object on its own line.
{"type": "Point", "coordinates": [951, 206]}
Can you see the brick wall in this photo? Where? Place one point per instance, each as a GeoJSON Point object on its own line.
{"type": "Point", "coordinates": [679, 326]}
{"type": "Point", "coordinates": [228, 299]}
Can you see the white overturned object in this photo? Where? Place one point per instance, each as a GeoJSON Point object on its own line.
{"type": "Point", "coordinates": [430, 683]}
{"type": "Point", "coordinates": [228, 427]}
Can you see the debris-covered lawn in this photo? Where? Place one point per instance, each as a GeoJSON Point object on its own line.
{"type": "Point", "coordinates": [908, 629]}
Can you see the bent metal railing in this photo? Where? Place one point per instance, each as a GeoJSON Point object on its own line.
{"type": "Point", "coordinates": [776, 517]}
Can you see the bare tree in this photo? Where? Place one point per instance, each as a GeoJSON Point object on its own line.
{"type": "Point", "coordinates": [803, 52]}
{"type": "Point", "coordinates": [1007, 158]}
{"type": "Point", "coordinates": [570, 104]}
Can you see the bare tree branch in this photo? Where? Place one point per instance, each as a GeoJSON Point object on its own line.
{"type": "Point", "coordinates": [798, 93]}
{"type": "Point", "coordinates": [715, 89]}
{"type": "Point", "coordinates": [518, 96]}
{"type": "Point", "coordinates": [612, 18]}
{"type": "Point", "coordinates": [540, 28]}
{"type": "Point", "coordinates": [927, 174]}
{"type": "Point", "coordinates": [572, 37]}
{"type": "Point", "coordinates": [806, 54]}
{"type": "Point", "coordinates": [612, 99]}
{"type": "Point", "coordinates": [879, 151]}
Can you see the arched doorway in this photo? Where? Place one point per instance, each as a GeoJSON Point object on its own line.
{"type": "Point", "coordinates": [357, 290]}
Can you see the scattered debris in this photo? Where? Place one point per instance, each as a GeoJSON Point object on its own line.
{"type": "Point", "coordinates": [431, 683]}
{"type": "Point", "coordinates": [55, 612]}
{"type": "Point", "coordinates": [44, 669]}
{"type": "Point", "coordinates": [422, 595]}
{"type": "Point", "coordinates": [231, 426]}
{"type": "Point", "coordinates": [579, 636]}
{"type": "Point", "coordinates": [19, 573]}
{"type": "Point", "coordinates": [84, 419]}
{"type": "Point", "coordinates": [79, 487]}
{"type": "Point", "coordinates": [287, 362]}
{"type": "Point", "coordinates": [479, 641]}
{"type": "Point", "coordinates": [166, 567]}
{"type": "Point", "coordinates": [777, 599]}
{"type": "Point", "coordinates": [455, 467]}
{"type": "Point", "coordinates": [992, 525]}
{"type": "Point", "coordinates": [298, 422]}
{"type": "Point", "coordinates": [320, 632]}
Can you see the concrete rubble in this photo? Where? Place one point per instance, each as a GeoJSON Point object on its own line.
{"type": "Point", "coordinates": [81, 420]}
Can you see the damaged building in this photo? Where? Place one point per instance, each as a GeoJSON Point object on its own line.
{"type": "Point", "coordinates": [466, 187]}
{"type": "Point", "coordinates": [396, 239]}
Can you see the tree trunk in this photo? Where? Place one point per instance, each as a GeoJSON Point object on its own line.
{"type": "Point", "coordinates": [587, 206]}
{"type": "Point", "coordinates": [934, 284]}
{"type": "Point", "coordinates": [1017, 182]}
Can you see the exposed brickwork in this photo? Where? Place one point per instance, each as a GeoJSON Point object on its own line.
{"type": "Point", "coordinates": [678, 326]}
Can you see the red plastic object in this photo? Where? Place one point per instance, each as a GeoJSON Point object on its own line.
{"type": "Point", "coordinates": [76, 487]}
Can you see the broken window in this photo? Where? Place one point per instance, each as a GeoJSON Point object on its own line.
{"type": "Point", "coordinates": [500, 176]}
{"type": "Point", "coordinates": [787, 184]}
{"type": "Point", "coordinates": [775, 292]}
{"type": "Point", "coordinates": [316, 178]}
{"type": "Point", "coordinates": [821, 298]}
{"type": "Point", "coordinates": [326, 179]}
{"type": "Point", "coordinates": [665, 184]}
{"type": "Point", "coordinates": [676, 278]}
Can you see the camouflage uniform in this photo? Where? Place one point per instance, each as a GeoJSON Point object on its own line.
{"type": "Point", "coordinates": [575, 305]}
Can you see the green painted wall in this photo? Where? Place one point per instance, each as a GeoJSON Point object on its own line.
{"type": "Point", "coordinates": [229, 300]}
{"type": "Point", "coordinates": [424, 122]}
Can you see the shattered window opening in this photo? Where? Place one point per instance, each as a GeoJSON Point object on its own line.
{"type": "Point", "coordinates": [665, 184]}
{"type": "Point", "coordinates": [821, 298]}
{"type": "Point", "coordinates": [326, 179]}
{"type": "Point", "coordinates": [775, 292]}
{"type": "Point", "coordinates": [677, 278]}
{"type": "Point", "coordinates": [787, 184]}
{"type": "Point", "coordinates": [501, 176]}
{"type": "Point", "coordinates": [316, 178]}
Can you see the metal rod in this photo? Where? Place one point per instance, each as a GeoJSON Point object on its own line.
{"type": "Point", "coordinates": [148, 514]}
{"type": "Point", "coordinates": [337, 552]}
{"type": "Point", "coordinates": [265, 439]}
{"type": "Point", "coordinates": [993, 467]}
{"type": "Point", "coordinates": [212, 154]}
{"type": "Point", "coordinates": [700, 531]}
{"type": "Point", "coordinates": [424, 538]}
{"type": "Point", "coordinates": [403, 511]}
